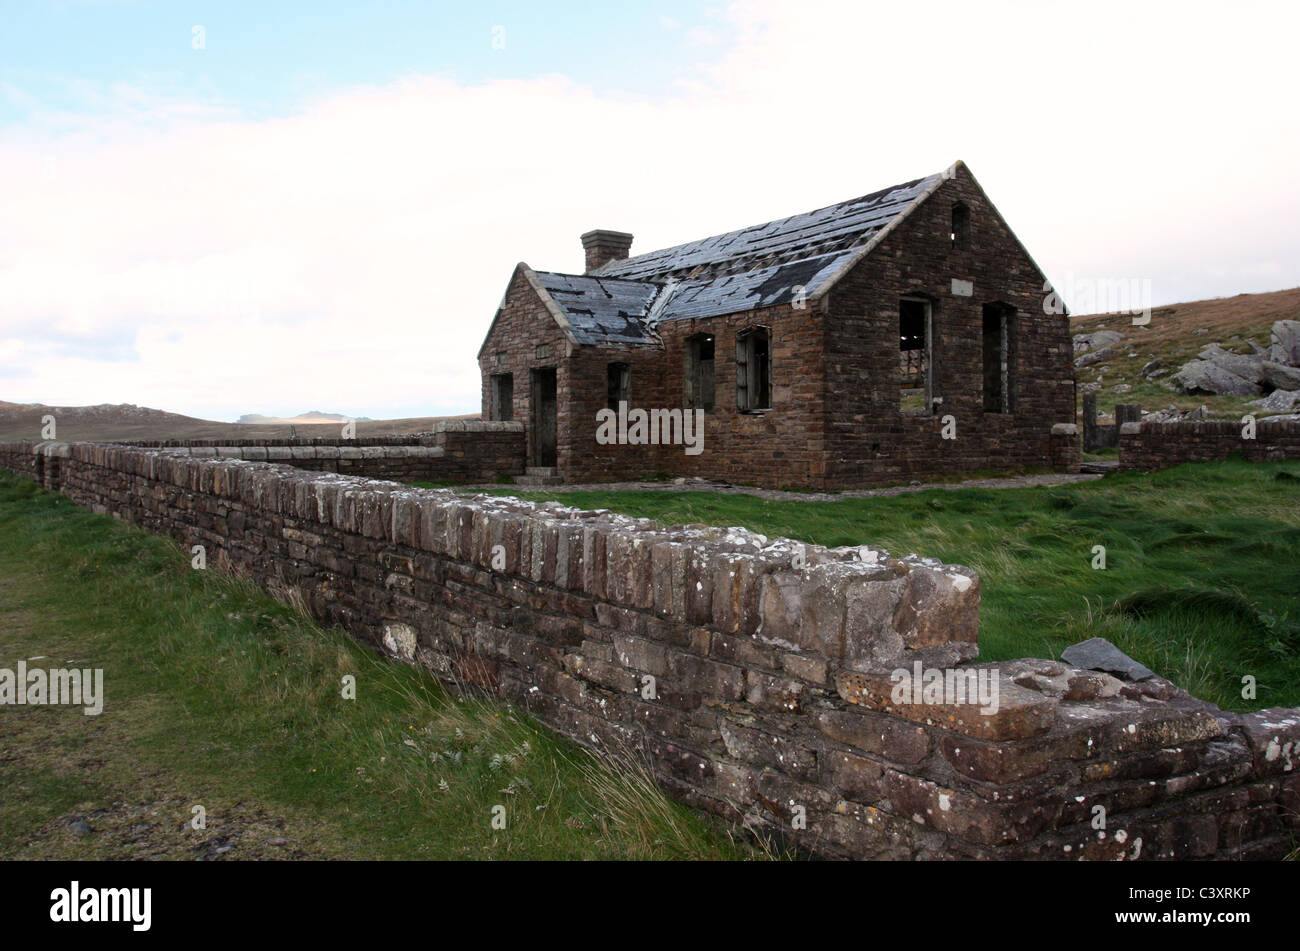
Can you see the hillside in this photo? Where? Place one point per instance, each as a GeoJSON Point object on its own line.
{"type": "Point", "coordinates": [111, 421]}
{"type": "Point", "coordinates": [1177, 333]}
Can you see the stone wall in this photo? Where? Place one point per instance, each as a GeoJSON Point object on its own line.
{"type": "Point", "coordinates": [757, 675]}
{"type": "Point", "coordinates": [453, 451]}
{"type": "Point", "coordinates": [1150, 446]}
{"type": "Point", "coordinates": [1105, 435]}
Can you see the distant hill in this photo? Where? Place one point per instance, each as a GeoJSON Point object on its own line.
{"type": "Point", "coordinates": [1176, 334]}
{"type": "Point", "coordinates": [109, 421]}
{"type": "Point", "coordinates": [309, 417]}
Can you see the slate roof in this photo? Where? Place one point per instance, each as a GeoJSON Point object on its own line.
{"type": "Point", "coordinates": [620, 302]}
{"type": "Point", "coordinates": [600, 311]}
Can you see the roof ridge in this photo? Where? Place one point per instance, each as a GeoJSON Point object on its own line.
{"type": "Point", "coordinates": [617, 268]}
{"type": "Point", "coordinates": [803, 255]}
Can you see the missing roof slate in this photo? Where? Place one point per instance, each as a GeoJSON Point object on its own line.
{"type": "Point", "coordinates": [741, 270]}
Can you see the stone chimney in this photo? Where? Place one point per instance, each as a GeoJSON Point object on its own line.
{"type": "Point", "coordinates": [603, 246]}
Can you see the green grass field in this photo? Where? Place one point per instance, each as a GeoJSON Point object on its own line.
{"type": "Point", "coordinates": [1202, 576]}
{"type": "Point", "coordinates": [219, 696]}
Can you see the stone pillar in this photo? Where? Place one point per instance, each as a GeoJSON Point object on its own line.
{"type": "Point", "coordinates": [1090, 434]}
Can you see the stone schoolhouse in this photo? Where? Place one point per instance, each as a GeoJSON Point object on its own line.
{"type": "Point", "coordinates": [895, 336]}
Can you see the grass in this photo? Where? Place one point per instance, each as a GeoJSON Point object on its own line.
{"type": "Point", "coordinates": [1102, 454]}
{"type": "Point", "coordinates": [219, 696]}
{"type": "Point", "coordinates": [1200, 584]}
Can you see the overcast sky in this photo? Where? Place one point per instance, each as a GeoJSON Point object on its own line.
{"type": "Point", "coordinates": [226, 208]}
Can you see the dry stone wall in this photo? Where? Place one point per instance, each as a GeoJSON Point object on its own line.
{"type": "Point", "coordinates": [759, 676]}
{"type": "Point", "coordinates": [1150, 446]}
{"type": "Point", "coordinates": [453, 451]}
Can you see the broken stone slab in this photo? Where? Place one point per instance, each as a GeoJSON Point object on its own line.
{"type": "Point", "coordinates": [1097, 653]}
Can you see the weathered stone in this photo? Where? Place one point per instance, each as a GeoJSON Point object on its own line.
{"type": "Point", "coordinates": [600, 672]}
{"type": "Point", "coordinates": [812, 669]}
{"type": "Point", "coordinates": [1273, 736]}
{"type": "Point", "coordinates": [400, 639]}
{"type": "Point", "coordinates": [773, 693]}
{"type": "Point", "coordinates": [1018, 712]}
{"type": "Point", "coordinates": [962, 814]}
{"type": "Point", "coordinates": [781, 605]}
{"type": "Point", "coordinates": [759, 748]}
{"type": "Point", "coordinates": [939, 606]}
{"type": "Point", "coordinates": [853, 777]}
{"type": "Point", "coordinates": [641, 654]}
{"type": "Point", "coordinates": [889, 737]}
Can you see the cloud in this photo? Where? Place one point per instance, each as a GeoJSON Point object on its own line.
{"type": "Point", "coordinates": [350, 256]}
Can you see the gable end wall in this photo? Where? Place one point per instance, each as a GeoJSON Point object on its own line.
{"type": "Point", "coordinates": [868, 439]}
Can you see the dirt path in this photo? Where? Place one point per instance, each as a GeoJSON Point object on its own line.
{"type": "Point", "coordinates": [781, 495]}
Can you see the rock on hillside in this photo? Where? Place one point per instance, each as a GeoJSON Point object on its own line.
{"type": "Point", "coordinates": [1096, 340]}
{"type": "Point", "coordinates": [1224, 373]}
{"type": "Point", "coordinates": [1279, 401]}
{"type": "Point", "coordinates": [1284, 343]}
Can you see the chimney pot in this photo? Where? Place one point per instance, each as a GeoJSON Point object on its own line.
{"type": "Point", "coordinates": [605, 246]}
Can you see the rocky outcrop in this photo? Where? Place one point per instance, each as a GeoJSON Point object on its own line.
{"type": "Point", "coordinates": [1205, 376]}
{"type": "Point", "coordinates": [1284, 343]}
{"type": "Point", "coordinates": [1223, 373]}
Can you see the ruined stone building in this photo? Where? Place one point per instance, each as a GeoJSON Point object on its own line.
{"type": "Point", "coordinates": [897, 335]}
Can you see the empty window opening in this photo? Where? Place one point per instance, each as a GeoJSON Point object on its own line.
{"type": "Point", "coordinates": [501, 397]}
{"type": "Point", "coordinates": [960, 235]}
{"type": "Point", "coordinates": [753, 370]}
{"type": "Point", "coordinates": [915, 393]}
{"type": "Point", "coordinates": [999, 323]}
{"type": "Point", "coordinates": [699, 372]}
{"type": "Point", "coordinates": [620, 385]}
